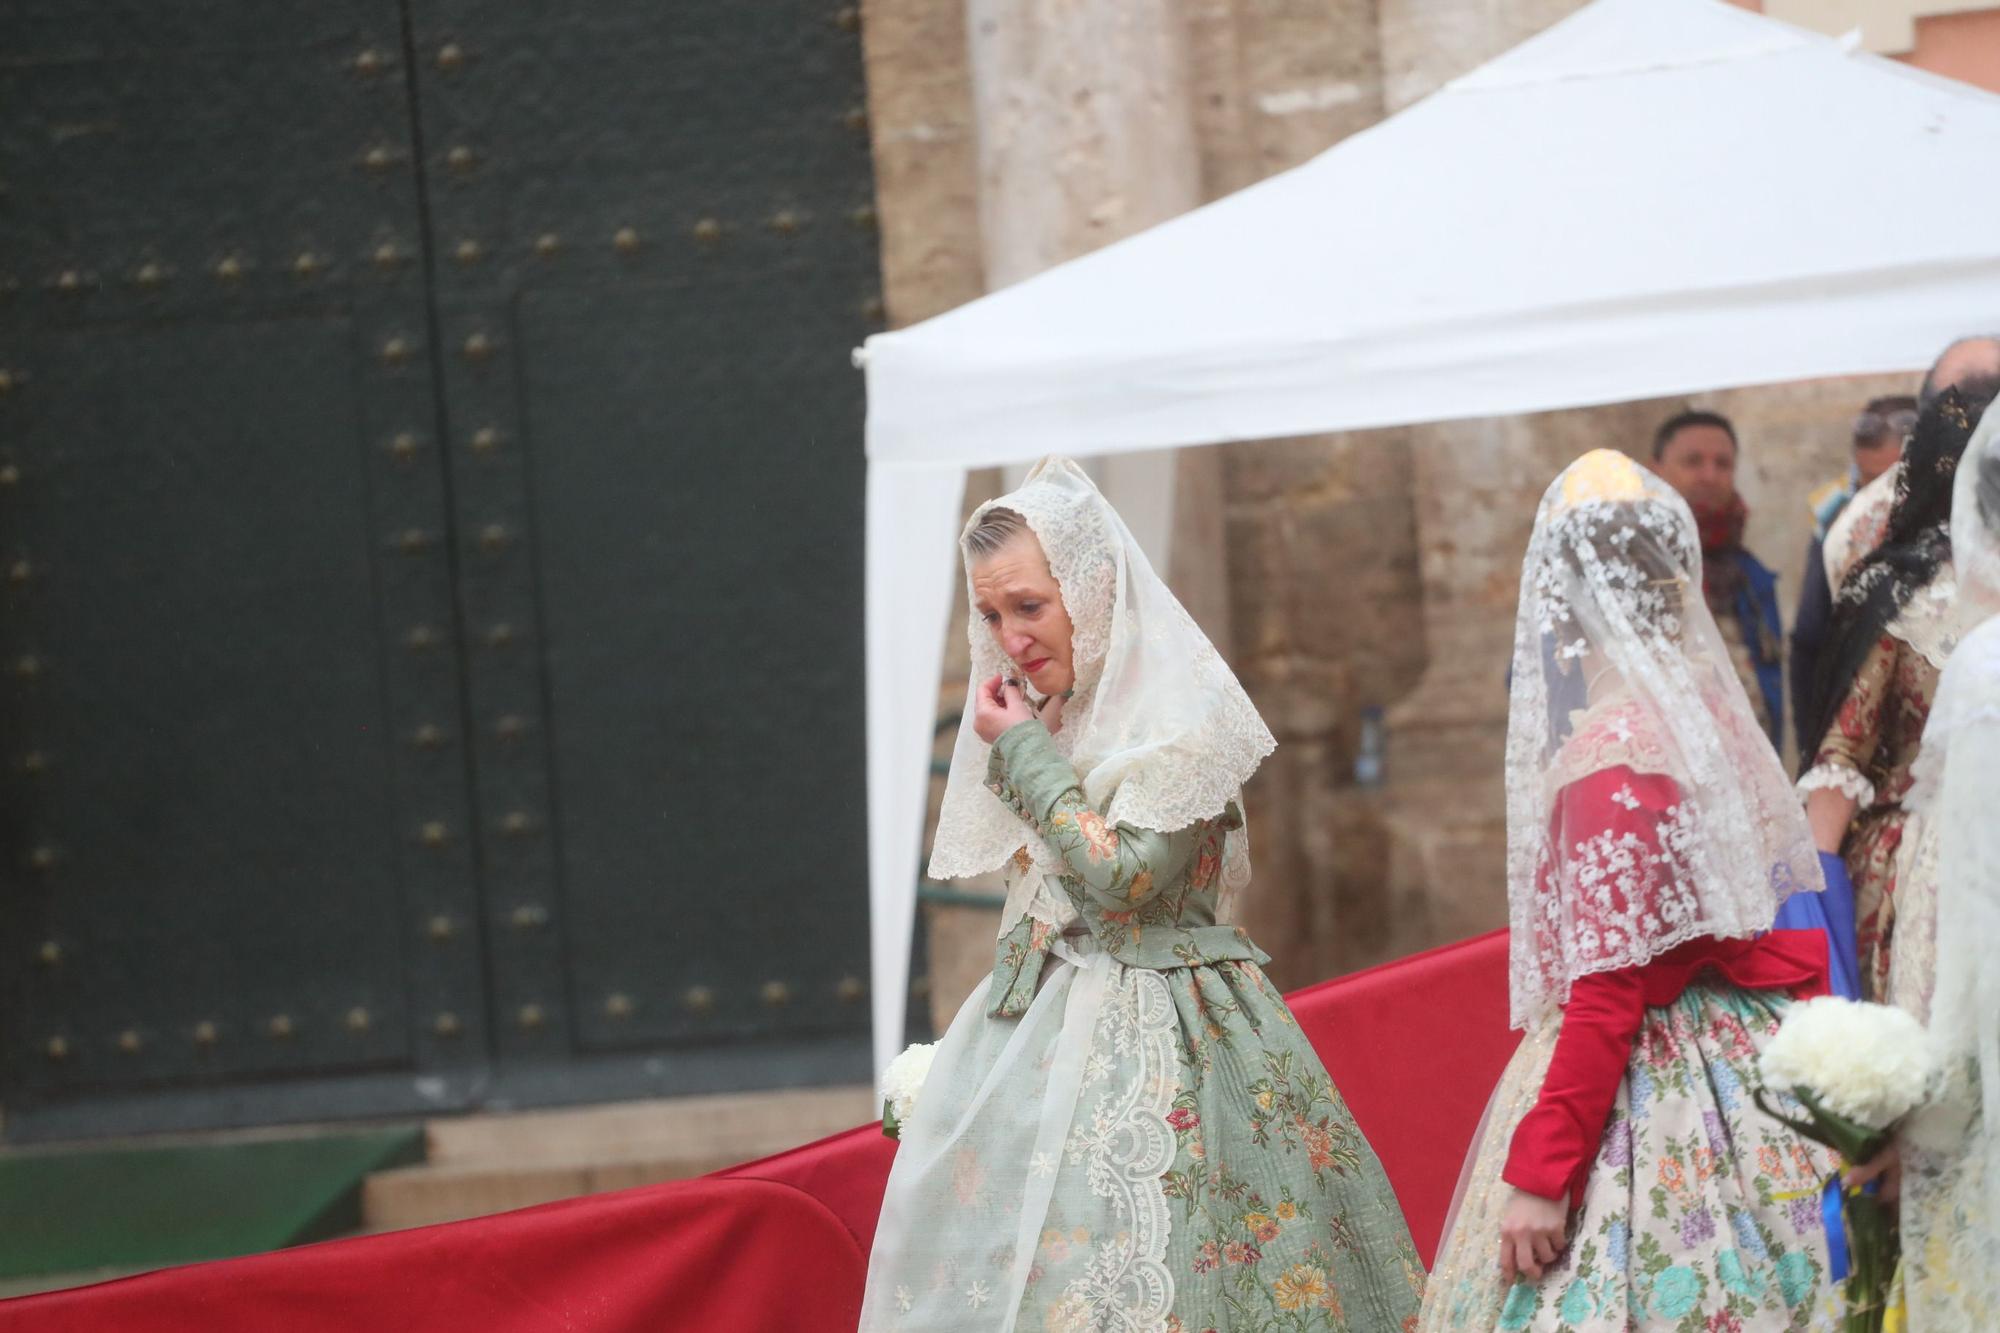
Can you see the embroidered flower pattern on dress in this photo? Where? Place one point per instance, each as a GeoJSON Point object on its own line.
{"type": "Point", "coordinates": [1619, 889]}
{"type": "Point", "coordinates": [1665, 1243]}
{"type": "Point", "coordinates": [1871, 753]}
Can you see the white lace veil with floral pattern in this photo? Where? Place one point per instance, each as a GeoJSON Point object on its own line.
{"type": "Point", "coordinates": [1952, 1198]}
{"type": "Point", "coordinates": [1159, 730]}
{"type": "Point", "coordinates": [1618, 662]}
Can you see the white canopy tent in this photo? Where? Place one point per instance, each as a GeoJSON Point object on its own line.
{"type": "Point", "coordinates": [1653, 197]}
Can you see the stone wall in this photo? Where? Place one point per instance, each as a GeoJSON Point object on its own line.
{"type": "Point", "coordinates": [1372, 568]}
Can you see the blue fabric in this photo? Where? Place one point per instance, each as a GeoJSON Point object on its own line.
{"type": "Point", "coordinates": [1757, 611]}
{"type": "Point", "coordinates": [1831, 911]}
{"type": "Point", "coordinates": [1830, 1217]}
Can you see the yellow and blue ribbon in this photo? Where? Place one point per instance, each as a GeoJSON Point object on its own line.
{"type": "Point", "coordinates": [1832, 1216]}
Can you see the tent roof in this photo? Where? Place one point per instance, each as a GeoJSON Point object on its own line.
{"type": "Point", "coordinates": [1652, 197]}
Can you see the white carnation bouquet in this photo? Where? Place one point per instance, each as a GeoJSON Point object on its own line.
{"type": "Point", "coordinates": [1857, 1069]}
{"type": "Point", "coordinates": [901, 1082]}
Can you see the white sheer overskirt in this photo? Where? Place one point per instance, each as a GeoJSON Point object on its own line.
{"type": "Point", "coordinates": [1028, 1191]}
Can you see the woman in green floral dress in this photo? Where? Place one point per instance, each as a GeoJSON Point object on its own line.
{"type": "Point", "coordinates": [1124, 1128]}
{"type": "Point", "coordinates": [1626, 1177]}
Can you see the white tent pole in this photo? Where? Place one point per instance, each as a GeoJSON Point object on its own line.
{"type": "Point", "coordinates": [911, 525]}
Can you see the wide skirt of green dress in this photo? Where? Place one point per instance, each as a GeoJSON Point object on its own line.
{"type": "Point", "coordinates": [1155, 1150]}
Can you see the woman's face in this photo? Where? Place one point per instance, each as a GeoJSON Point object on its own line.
{"type": "Point", "coordinates": [1022, 607]}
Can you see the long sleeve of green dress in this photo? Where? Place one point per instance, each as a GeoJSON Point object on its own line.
{"type": "Point", "coordinates": [1114, 870]}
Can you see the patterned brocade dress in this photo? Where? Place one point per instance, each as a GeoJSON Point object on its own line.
{"type": "Point", "coordinates": [1126, 1129]}
{"type": "Point", "coordinates": [1867, 754]}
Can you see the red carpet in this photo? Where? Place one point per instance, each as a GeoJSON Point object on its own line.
{"type": "Point", "coordinates": [781, 1245]}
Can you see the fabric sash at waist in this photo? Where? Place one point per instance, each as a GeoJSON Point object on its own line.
{"type": "Point", "coordinates": [1793, 961]}
{"type": "Point", "coordinates": [1020, 954]}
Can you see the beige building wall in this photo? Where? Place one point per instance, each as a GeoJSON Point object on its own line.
{"type": "Point", "coordinates": [1373, 568]}
{"type": "Point", "coordinates": [1959, 39]}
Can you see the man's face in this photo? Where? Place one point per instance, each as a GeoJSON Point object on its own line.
{"type": "Point", "coordinates": [1700, 463]}
{"type": "Point", "coordinates": [1874, 457]}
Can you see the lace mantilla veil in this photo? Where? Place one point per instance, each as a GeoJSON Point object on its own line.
{"type": "Point", "coordinates": [1617, 661]}
{"type": "Point", "coordinates": [1952, 1191]}
{"type": "Point", "coordinates": [1160, 732]}
{"type": "Point", "coordinates": [1934, 619]}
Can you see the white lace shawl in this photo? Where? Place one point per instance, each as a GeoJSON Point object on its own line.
{"type": "Point", "coordinates": [1955, 788]}
{"type": "Point", "coordinates": [1159, 730]}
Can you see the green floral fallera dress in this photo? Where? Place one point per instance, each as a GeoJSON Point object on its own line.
{"type": "Point", "coordinates": [1126, 1129]}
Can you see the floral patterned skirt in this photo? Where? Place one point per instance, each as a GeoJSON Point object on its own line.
{"type": "Point", "coordinates": [1701, 1213]}
{"type": "Point", "coordinates": [1156, 1151]}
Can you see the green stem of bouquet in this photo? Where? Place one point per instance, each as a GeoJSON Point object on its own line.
{"type": "Point", "coordinates": [1870, 1226]}
{"type": "Point", "coordinates": [1871, 1247]}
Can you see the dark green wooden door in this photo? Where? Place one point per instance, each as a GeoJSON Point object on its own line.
{"type": "Point", "coordinates": [655, 245]}
{"type": "Point", "coordinates": [430, 492]}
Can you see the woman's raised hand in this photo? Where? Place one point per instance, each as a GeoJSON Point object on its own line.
{"type": "Point", "coordinates": [999, 705]}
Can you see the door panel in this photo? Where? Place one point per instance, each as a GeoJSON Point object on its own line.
{"type": "Point", "coordinates": [430, 531]}
{"type": "Point", "coordinates": [234, 841]}
{"type": "Point", "coordinates": [655, 250]}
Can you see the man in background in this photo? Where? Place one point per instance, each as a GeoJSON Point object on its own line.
{"type": "Point", "coordinates": [1695, 453]}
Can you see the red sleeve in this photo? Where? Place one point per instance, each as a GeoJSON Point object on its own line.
{"type": "Point", "coordinates": [1609, 815]}
{"type": "Point", "coordinates": [1554, 1145]}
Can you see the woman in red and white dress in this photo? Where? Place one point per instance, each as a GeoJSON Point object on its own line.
{"type": "Point", "coordinates": [1625, 1178]}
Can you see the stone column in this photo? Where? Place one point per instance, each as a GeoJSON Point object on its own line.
{"type": "Point", "coordinates": [1086, 135]}
{"type": "Point", "coordinates": [1440, 821]}
{"type": "Point", "coordinates": [1084, 131]}
{"type": "Point", "coordinates": [1321, 530]}
{"type": "Point", "coordinates": [1428, 43]}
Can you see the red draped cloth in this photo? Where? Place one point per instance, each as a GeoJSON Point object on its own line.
{"type": "Point", "coordinates": [782, 1244]}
